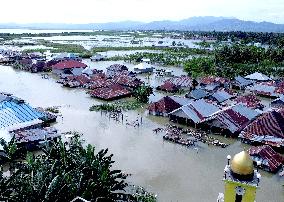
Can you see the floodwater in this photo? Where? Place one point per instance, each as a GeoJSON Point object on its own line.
{"type": "Point", "coordinates": [175, 173]}
{"type": "Point", "coordinates": [118, 41]}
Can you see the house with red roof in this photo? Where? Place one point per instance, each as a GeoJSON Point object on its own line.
{"type": "Point", "coordinates": [269, 159]}
{"type": "Point", "coordinates": [76, 81]}
{"type": "Point", "coordinates": [231, 120]}
{"type": "Point", "coordinates": [163, 107]}
{"type": "Point", "coordinates": [72, 67]}
{"type": "Point", "coordinates": [267, 129]}
{"type": "Point", "coordinates": [168, 86]}
{"type": "Point", "coordinates": [112, 92]}
{"type": "Point", "coordinates": [250, 100]}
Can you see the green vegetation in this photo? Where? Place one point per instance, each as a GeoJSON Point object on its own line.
{"type": "Point", "coordinates": [170, 56]}
{"type": "Point", "coordinates": [41, 50]}
{"type": "Point", "coordinates": [64, 170]}
{"type": "Point", "coordinates": [59, 48]}
{"type": "Point", "coordinates": [117, 106]}
{"type": "Point", "coordinates": [197, 67]}
{"type": "Point", "coordinates": [142, 93]}
{"type": "Point", "coordinates": [142, 195]}
{"type": "Point", "coordinates": [104, 49]}
{"type": "Point", "coordinates": [52, 110]}
{"type": "Point", "coordinates": [238, 59]}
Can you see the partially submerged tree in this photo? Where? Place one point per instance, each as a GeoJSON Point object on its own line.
{"type": "Point", "coordinates": [142, 93]}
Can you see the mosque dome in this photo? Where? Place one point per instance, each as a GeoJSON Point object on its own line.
{"type": "Point", "coordinates": [242, 164]}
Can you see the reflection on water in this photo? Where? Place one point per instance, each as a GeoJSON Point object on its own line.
{"type": "Point", "coordinates": [174, 172]}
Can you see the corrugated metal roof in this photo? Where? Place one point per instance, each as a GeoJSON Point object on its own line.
{"type": "Point", "coordinates": [236, 117]}
{"type": "Point", "coordinates": [245, 111]}
{"type": "Point", "coordinates": [12, 114]}
{"type": "Point", "coordinates": [266, 153]}
{"type": "Point", "coordinates": [181, 100]}
{"type": "Point", "coordinates": [242, 81]}
{"type": "Point", "coordinates": [164, 105]}
{"type": "Point", "coordinates": [269, 124]}
{"type": "Point", "coordinates": [197, 94]}
{"type": "Point", "coordinates": [263, 89]}
{"type": "Point", "coordinates": [182, 81]}
{"type": "Point", "coordinates": [198, 110]}
{"type": "Point", "coordinates": [258, 76]}
{"type": "Point", "coordinates": [222, 95]}
{"type": "Point", "coordinates": [69, 64]}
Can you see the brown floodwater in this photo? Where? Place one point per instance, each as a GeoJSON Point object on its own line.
{"type": "Point", "coordinates": [175, 173]}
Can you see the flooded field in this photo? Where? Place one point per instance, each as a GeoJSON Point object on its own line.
{"type": "Point", "coordinates": [175, 173]}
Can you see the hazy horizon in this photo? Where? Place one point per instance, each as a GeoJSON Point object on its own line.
{"type": "Point", "coordinates": [102, 11]}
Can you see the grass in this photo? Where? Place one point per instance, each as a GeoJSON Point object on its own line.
{"type": "Point", "coordinates": [117, 106]}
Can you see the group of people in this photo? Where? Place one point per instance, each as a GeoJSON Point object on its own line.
{"type": "Point", "coordinates": [187, 137]}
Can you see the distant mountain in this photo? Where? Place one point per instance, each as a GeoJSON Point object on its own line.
{"type": "Point", "coordinates": [240, 25]}
{"type": "Point", "coordinates": [207, 23]}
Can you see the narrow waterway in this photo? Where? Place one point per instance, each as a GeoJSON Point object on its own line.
{"type": "Point", "coordinates": [174, 172]}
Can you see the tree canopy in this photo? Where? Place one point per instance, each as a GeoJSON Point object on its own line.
{"type": "Point", "coordinates": [62, 172]}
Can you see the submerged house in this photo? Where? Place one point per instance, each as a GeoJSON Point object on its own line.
{"type": "Point", "coordinates": [269, 159]}
{"type": "Point", "coordinates": [241, 83]}
{"type": "Point", "coordinates": [231, 120]}
{"type": "Point", "coordinates": [250, 101]}
{"type": "Point", "coordinates": [267, 129]}
{"type": "Point", "coordinates": [72, 67]}
{"type": "Point", "coordinates": [115, 69]}
{"type": "Point", "coordinates": [182, 81]}
{"type": "Point", "coordinates": [258, 77]}
{"type": "Point", "coordinates": [76, 81]}
{"type": "Point", "coordinates": [278, 103]}
{"type": "Point", "coordinates": [17, 114]}
{"type": "Point", "coordinates": [166, 105]}
{"type": "Point", "coordinates": [143, 68]}
{"type": "Point", "coordinates": [24, 64]}
{"type": "Point", "coordinates": [112, 92]}
{"type": "Point", "coordinates": [168, 86]}
{"type": "Point", "coordinates": [194, 113]}
{"type": "Point", "coordinates": [127, 81]}
{"type": "Point", "coordinates": [34, 136]}
{"type": "Point", "coordinates": [221, 95]}
{"type": "Point", "coordinates": [163, 107]}
{"type": "Point", "coordinates": [97, 57]}
{"type": "Point", "coordinates": [66, 56]}
{"type": "Point", "coordinates": [263, 89]}
{"type": "Point", "coordinates": [197, 94]}
{"type": "Point", "coordinates": [174, 84]}
{"type": "Point", "coordinates": [99, 82]}
{"type": "Point", "coordinates": [212, 83]}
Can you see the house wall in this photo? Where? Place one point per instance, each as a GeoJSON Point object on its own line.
{"type": "Point", "coordinates": [155, 113]}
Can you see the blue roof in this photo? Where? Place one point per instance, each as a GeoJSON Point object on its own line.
{"type": "Point", "coordinates": [12, 113]}
{"type": "Point", "coordinates": [221, 96]}
{"type": "Point", "coordinates": [242, 81]}
{"type": "Point", "coordinates": [245, 111]}
{"type": "Point", "coordinates": [198, 94]}
{"type": "Point", "coordinates": [263, 88]}
{"type": "Point", "coordinates": [181, 100]}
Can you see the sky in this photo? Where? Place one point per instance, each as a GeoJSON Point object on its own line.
{"type": "Point", "coordinates": [94, 11]}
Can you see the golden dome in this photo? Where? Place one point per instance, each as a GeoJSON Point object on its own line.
{"type": "Point", "coordinates": [242, 164]}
